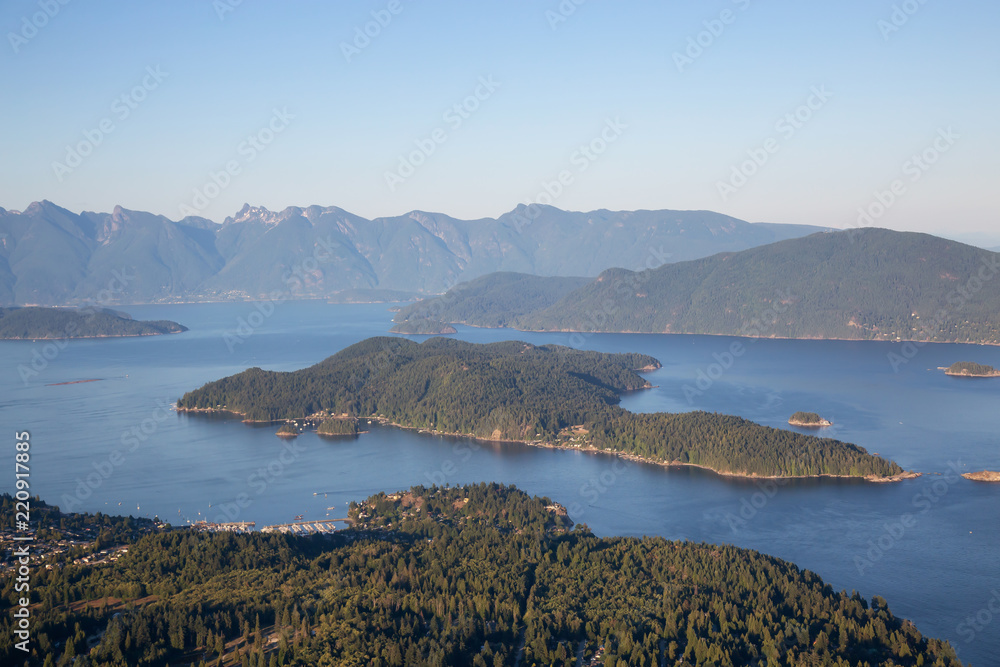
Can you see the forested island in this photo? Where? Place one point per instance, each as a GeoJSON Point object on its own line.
{"type": "Point", "coordinates": [970, 369]}
{"type": "Point", "coordinates": [542, 395]}
{"type": "Point", "coordinates": [288, 430]}
{"type": "Point", "coordinates": [337, 427]}
{"type": "Point", "coordinates": [35, 323]}
{"type": "Point", "coordinates": [423, 325]}
{"type": "Point", "coordinates": [479, 575]}
{"type": "Point", "coordinates": [808, 419]}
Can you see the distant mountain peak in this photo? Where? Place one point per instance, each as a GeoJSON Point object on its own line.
{"type": "Point", "coordinates": [39, 207]}
{"type": "Point", "coordinates": [66, 256]}
{"type": "Point", "coordinates": [248, 213]}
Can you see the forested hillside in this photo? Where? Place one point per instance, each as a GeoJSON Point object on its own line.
{"type": "Point", "coordinates": [33, 323]}
{"type": "Point", "coordinates": [517, 391]}
{"type": "Point", "coordinates": [496, 300]}
{"type": "Point", "coordinates": [478, 575]}
{"type": "Point", "coordinates": [866, 284]}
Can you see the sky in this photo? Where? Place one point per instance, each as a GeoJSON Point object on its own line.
{"type": "Point", "coordinates": [862, 112]}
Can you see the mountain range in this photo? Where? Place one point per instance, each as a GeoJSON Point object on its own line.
{"type": "Point", "coordinates": [867, 284]}
{"type": "Point", "coordinates": [52, 256]}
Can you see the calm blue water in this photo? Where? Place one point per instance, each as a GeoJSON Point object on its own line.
{"type": "Point", "coordinates": [929, 546]}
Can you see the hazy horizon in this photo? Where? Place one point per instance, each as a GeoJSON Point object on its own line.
{"type": "Point", "coordinates": [766, 112]}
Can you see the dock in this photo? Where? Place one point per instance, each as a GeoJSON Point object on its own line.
{"type": "Point", "coordinates": [317, 527]}
{"type": "Point", "coordinates": [230, 527]}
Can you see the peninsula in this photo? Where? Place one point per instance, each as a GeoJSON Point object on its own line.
{"type": "Point", "coordinates": [548, 396]}
{"type": "Point", "coordinates": [37, 323]}
{"type": "Point", "coordinates": [971, 370]}
{"type": "Point", "coordinates": [480, 574]}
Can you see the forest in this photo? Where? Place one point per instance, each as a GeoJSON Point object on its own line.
{"type": "Point", "coordinates": [493, 300]}
{"type": "Point", "coordinates": [473, 575]}
{"type": "Point", "coordinates": [36, 323]}
{"type": "Point", "coordinates": [335, 427]}
{"type": "Point", "coordinates": [537, 394]}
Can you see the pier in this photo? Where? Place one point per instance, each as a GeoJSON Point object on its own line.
{"type": "Point", "coordinates": [319, 526]}
{"type": "Point", "coordinates": [231, 527]}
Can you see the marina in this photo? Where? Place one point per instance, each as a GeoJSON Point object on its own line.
{"type": "Point", "coordinates": [318, 527]}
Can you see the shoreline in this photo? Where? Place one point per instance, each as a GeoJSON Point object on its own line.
{"type": "Point", "coordinates": [35, 340]}
{"type": "Point", "coordinates": [982, 476]}
{"type": "Point", "coordinates": [818, 424]}
{"type": "Point", "coordinates": [736, 335]}
{"type": "Point", "coordinates": [383, 421]}
{"type": "Point", "coordinates": [971, 375]}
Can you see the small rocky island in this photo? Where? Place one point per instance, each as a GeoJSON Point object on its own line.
{"type": "Point", "coordinates": [808, 419]}
{"type": "Point", "coordinates": [971, 370]}
{"type": "Point", "coordinates": [983, 476]}
{"type": "Point", "coordinates": [288, 430]}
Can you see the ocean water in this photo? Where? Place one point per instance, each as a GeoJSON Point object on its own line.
{"type": "Point", "coordinates": [930, 546]}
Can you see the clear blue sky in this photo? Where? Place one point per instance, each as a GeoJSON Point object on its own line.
{"type": "Point", "coordinates": [685, 128]}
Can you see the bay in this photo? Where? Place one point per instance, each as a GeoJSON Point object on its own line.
{"type": "Point", "coordinates": [930, 546]}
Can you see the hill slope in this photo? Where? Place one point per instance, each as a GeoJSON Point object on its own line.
{"type": "Point", "coordinates": [495, 300]}
{"type": "Point", "coordinates": [870, 284]}
{"type": "Point", "coordinates": [515, 391]}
